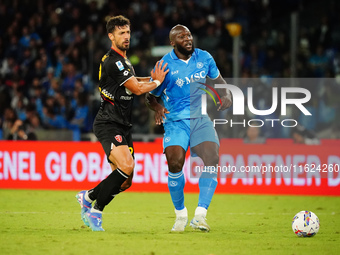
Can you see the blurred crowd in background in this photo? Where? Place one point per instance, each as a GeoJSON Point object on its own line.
{"type": "Point", "coordinates": [50, 52]}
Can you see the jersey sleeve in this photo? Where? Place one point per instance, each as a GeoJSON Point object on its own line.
{"type": "Point", "coordinates": [213, 71]}
{"type": "Point", "coordinates": [118, 70]}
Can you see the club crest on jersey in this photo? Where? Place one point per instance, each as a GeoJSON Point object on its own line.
{"type": "Point", "coordinates": [199, 65]}
{"type": "Point", "coordinates": [119, 138]}
{"type": "Point", "coordinates": [120, 65]}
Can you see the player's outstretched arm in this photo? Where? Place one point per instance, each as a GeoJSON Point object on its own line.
{"type": "Point", "coordinates": [143, 79]}
{"type": "Point", "coordinates": [158, 75]}
{"type": "Point", "coordinates": [160, 110]}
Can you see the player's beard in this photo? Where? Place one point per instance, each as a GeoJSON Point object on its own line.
{"type": "Point", "coordinates": [122, 47]}
{"type": "Point", "coordinates": [184, 51]}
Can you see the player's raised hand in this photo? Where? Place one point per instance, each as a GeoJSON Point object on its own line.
{"type": "Point", "coordinates": [160, 112]}
{"type": "Point", "coordinates": [226, 102]}
{"type": "Point", "coordinates": [159, 72]}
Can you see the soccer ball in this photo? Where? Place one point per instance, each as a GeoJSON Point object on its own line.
{"type": "Point", "coordinates": [305, 224]}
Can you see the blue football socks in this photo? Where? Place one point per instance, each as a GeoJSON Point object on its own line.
{"type": "Point", "coordinates": [207, 185]}
{"type": "Point", "coordinates": [176, 183]}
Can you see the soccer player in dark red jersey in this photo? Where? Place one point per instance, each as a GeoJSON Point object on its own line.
{"type": "Point", "coordinates": [112, 126]}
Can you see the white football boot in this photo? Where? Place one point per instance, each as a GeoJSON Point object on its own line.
{"type": "Point", "coordinates": [181, 220]}
{"type": "Point", "coordinates": [199, 221]}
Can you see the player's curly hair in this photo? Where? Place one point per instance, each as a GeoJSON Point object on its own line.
{"type": "Point", "coordinates": [116, 21]}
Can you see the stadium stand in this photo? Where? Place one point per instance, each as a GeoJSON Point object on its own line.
{"type": "Point", "coordinates": [50, 53]}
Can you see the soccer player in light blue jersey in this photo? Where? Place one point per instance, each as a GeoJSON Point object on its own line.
{"type": "Point", "coordinates": [184, 123]}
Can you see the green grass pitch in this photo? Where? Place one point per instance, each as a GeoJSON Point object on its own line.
{"type": "Point", "coordinates": [48, 222]}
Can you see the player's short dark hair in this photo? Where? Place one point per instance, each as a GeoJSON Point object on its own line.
{"type": "Point", "coordinates": [116, 21]}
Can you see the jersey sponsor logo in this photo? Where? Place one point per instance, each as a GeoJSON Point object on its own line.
{"type": "Point", "coordinates": [199, 65]}
{"type": "Point", "coordinates": [126, 97]}
{"type": "Point", "coordinates": [120, 65]}
{"type": "Point", "coordinates": [167, 139]}
{"type": "Point", "coordinates": [126, 73]}
{"type": "Point", "coordinates": [174, 72]}
{"type": "Point", "coordinates": [179, 82]}
{"type": "Point", "coordinates": [119, 138]}
{"type": "Point", "coordinates": [195, 77]}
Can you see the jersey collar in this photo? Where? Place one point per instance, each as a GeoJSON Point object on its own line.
{"type": "Point", "coordinates": [118, 52]}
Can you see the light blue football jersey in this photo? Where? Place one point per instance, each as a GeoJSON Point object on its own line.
{"type": "Point", "coordinates": [180, 90]}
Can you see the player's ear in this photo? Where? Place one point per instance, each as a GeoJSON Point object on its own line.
{"type": "Point", "coordinates": [172, 43]}
{"type": "Point", "coordinates": [110, 35]}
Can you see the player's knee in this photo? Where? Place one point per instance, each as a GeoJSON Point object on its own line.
{"type": "Point", "coordinates": [211, 159]}
{"type": "Point", "coordinates": [127, 166]}
{"type": "Point", "coordinates": [215, 159]}
{"type": "Point", "coordinates": [175, 166]}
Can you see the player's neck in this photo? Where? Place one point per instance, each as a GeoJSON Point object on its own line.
{"type": "Point", "coordinates": [121, 52]}
{"type": "Point", "coordinates": [182, 56]}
